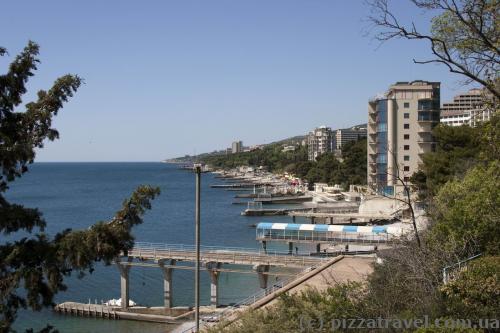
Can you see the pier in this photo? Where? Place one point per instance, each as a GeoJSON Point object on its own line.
{"type": "Point", "coordinates": [284, 199]}
{"type": "Point", "coordinates": [156, 315]}
{"type": "Point", "coordinates": [167, 257]}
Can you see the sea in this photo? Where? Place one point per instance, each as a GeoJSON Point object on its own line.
{"type": "Point", "coordinates": [76, 195]}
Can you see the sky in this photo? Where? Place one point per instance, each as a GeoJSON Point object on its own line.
{"type": "Point", "coordinates": [169, 78]}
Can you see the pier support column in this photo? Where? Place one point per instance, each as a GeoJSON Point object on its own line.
{"type": "Point", "coordinates": [261, 270]}
{"type": "Point", "coordinates": [290, 248]}
{"type": "Point", "coordinates": [212, 268]}
{"type": "Point", "coordinates": [264, 246]}
{"type": "Point", "coordinates": [124, 283]}
{"type": "Point", "coordinates": [167, 281]}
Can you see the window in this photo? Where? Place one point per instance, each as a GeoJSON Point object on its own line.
{"type": "Point", "coordinates": [406, 126]}
{"type": "Point", "coordinates": [407, 157]}
{"type": "Point", "coordinates": [407, 105]}
{"type": "Point", "coordinates": [407, 136]}
{"type": "Point", "coordinates": [406, 168]}
{"type": "Point", "coordinates": [406, 116]}
{"type": "Point", "coordinates": [407, 147]}
{"type": "Point", "coordinates": [407, 179]}
{"type": "Point", "coordinates": [425, 104]}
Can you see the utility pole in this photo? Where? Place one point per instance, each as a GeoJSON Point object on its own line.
{"type": "Point", "coordinates": [197, 243]}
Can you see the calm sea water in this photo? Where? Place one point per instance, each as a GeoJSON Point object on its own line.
{"type": "Point", "coordinates": [76, 195]}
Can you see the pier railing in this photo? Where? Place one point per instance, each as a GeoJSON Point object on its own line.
{"type": "Point", "coordinates": [228, 255]}
{"type": "Point", "coordinates": [148, 247]}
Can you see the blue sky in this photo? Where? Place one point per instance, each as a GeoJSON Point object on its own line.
{"type": "Point", "coordinates": [168, 78]}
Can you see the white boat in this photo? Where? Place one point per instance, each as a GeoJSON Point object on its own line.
{"type": "Point", "coordinates": [118, 302]}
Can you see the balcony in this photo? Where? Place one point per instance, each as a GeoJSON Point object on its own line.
{"type": "Point", "coordinates": [428, 117]}
{"type": "Point", "coordinates": [423, 142]}
{"type": "Point", "coordinates": [425, 127]}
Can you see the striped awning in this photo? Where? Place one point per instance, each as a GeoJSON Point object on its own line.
{"type": "Point", "coordinates": [329, 228]}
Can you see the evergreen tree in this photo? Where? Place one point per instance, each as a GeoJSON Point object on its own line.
{"type": "Point", "coordinates": [33, 267]}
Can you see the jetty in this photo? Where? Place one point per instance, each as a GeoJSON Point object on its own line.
{"type": "Point", "coordinates": [292, 199]}
{"type": "Point", "coordinates": [239, 185]}
{"type": "Point", "coordinates": [264, 212]}
{"type": "Point", "coordinates": [168, 257]}
{"type": "Point", "coordinates": [154, 314]}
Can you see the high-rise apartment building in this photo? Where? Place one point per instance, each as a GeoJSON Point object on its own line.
{"type": "Point", "coordinates": [319, 141]}
{"type": "Point", "coordinates": [343, 136]}
{"type": "Point", "coordinates": [466, 109]}
{"type": "Point", "coordinates": [400, 127]}
{"type": "Point", "coordinates": [237, 147]}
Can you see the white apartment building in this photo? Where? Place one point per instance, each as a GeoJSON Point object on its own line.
{"type": "Point", "coordinates": [466, 109]}
{"type": "Point", "coordinates": [319, 141]}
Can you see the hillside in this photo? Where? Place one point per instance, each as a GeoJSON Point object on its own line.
{"type": "Point", "coordinates": [200, 157]}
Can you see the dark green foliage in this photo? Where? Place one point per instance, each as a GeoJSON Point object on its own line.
{"type": "Point", "coordinates": [270, 156]}
{"type": "Point", "coordinates": [467, 212]}
{"type": "Point", "coordinates": [32, 268]}
{"type": "Point", "coordinates": [457, 150]}
{"type": "Point", "coordinates": [351, 169]}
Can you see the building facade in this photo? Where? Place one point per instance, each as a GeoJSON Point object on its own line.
{"type": "Point", "coordinates": [343, 136]}
{"type": "Point", "coordinates": [319, 141]}
{"type": "Point", "coordinates": [400, 127]}
{"type": "Point", "coordinates": [237, 147]}
{"type": "Point", "coordinates": [466, 109]}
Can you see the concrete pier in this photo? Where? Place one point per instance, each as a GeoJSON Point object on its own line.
{"type": "Point", "coordinates": [124, 283]}
{"type": "Point", "coordinates": [167, 281]}
{"type": "Point", "coordinates": [261, 270]}
{"type": "Point", "coordinates": [212, 268]}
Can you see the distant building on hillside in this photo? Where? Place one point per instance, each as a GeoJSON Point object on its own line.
{"type": "Point", "coordinates": [237, 147]}
{"type": "Point", "coordinates": [343, 136]}
{"type": "Point", "coordinates": [400, 127]}
{"type": "Point", "coordinates": [319, 141]}
{"type": "Point", "coordinates": [256, 147]}
{"type": "Point", "coordinates": [288, 148]}
{"type": "Point", "coordinates": [466, 109]}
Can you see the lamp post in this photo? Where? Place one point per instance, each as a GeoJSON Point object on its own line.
{"type": "Point", "coordinates": [197, 243]}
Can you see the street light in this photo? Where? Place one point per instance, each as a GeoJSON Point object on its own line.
{"type": "Point", "coordinates": [197, 169]}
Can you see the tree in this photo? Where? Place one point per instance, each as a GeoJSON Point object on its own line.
{"type": "Point", "coordinates": [475, 293]}
{"type": "Point", "coordinates": [33, 268]}
{"type": "Point", "coordinates": [463, 36]}
{"type": "Point", "coordinates": [467, 211]}
{"type": "Point", "coordinates": [354, 162]}
{"type": "Point", "coordinates": [457, 150]}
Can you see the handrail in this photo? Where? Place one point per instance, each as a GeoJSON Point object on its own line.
{"type": "Point", "coordinates": [446, 274]}
{"type": "Point", "coordinates": [155, 247]}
